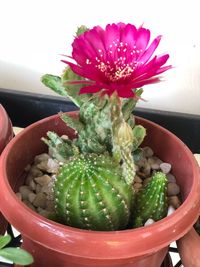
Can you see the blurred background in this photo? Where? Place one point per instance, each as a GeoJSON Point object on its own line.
{"type": "Point", "coordinates": [34, 34]}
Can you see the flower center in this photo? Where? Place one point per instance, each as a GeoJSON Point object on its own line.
{"type": "Point", "coordinates": [119, 62]}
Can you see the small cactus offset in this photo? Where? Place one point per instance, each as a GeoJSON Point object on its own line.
{"type": "Point", "coordinates": [151, 201]}
{"type": "Point", "coordinates": [59, 148]}
{"type": "Point", "coordinates": [91, 194]}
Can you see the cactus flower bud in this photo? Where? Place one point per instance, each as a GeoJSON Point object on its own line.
{"type": "Point", "coordinates": [124, 134]}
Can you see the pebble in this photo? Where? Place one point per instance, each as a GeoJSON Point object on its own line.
{"type": "Point", "coordinates": [174, 201]}
{"type": "Point", "coordinates": [53, 166]}
{"type": "Point", "coordinates": [141, 162]}
{"type": "Point", "coordinates": [147, 152]}
{"type": "Point", "coordinates": [47, 189]}
{"type": "Point", "coordinates": [149, 222]}
{"type": "Point", "coordinates": [41, 157]}
{"type": "Point", "coordinates": [24, 190]}
{"type": "Point", "coordinates": [154, 163]}
{"type": "Point", "coordinates": [45, 213]}
{"type": "Point", "coordinates": [29, 178]}
{"type": "Point", "coordinates": [172, 189]}
{"type": "Point", "coordinates": [40, 200]}
{"type": "Point", "coordinates": [50, 166]}
{"type": "Point", "coordinates": [42, 166]}
{"type": "Point", "coordinates": [171, 178]}
{"type": "Point", "coordinates": [19, 195]}
{"type": "Point", "coordinates": [32, 185]}
{"type": "Point", "coordinates": [50, 206]}
{"type": "Point", "coordinates": [165, 167]}
{"type": "Point", "coordinates": [43, 180]}
{"type": "Point", "coordinates": [38, 188]}
{"type": "Point", "coordinates": [146, 181]}
{"type": "Point", "coordinates": [137, 185]}
{"type": "Point", "coordinates": [35, 172]}
{"type": "Point", "coordinates": [27, 168]}
{"type": "Point", "coordinates": [29, 204]}
{"type": "Point", "coordinates": [146, 169]}
{"type": "Point", "coordinates": [31, 197]}
{"type": "Point", "coordinates": [171, 210]}
{"type": "Point", "coordinates": [137, 179]}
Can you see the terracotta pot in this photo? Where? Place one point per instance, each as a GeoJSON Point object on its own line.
{"type": "Point", "coordinates": [189, 249]}
{"type": "Point", "coordinates": [6, 134]}
{"type": "Point", "coordinates": [53, 244]}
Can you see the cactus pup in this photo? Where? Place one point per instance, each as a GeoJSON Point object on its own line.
{"type": "Point", "coordinates": [151, 201]}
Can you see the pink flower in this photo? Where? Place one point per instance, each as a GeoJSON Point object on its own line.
{"type": "Point", "coordinates": [117, 59]}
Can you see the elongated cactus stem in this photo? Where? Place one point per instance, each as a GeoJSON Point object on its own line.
{"type": "Point", "coordinates": [122, 137]}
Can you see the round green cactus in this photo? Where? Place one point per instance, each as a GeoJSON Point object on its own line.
{"type": "Point", "coordinates": [90, 193]}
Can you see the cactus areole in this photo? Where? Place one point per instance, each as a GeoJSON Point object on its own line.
{"type": "Point", "coordinates": [94, 188]}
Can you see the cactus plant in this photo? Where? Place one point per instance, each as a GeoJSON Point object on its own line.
{"type": "Point", "coordinates": [90, 193]}
{"type": "Point", "coordinates": [151, 201]}
{"type": "Point", "coordinates": [93, 189]}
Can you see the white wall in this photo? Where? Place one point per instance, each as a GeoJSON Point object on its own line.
{"type": "Point", "coordinates": [33, 34]}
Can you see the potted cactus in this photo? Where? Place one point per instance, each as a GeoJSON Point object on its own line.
{"type": "Point", "coordinates": [99, 215]}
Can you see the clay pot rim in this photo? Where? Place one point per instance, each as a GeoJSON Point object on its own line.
{"type": "Point", "coordinates": [172, 222]}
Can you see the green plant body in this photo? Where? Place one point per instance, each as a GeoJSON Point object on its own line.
{"type": "Point", "coordinates": [151, 201]}
{"type": "Point", "coordinates": [90, 193]}
{"type": "Point", "coordinates": [16, 255]}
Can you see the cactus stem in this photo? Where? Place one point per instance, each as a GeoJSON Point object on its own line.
{"type": "Point", "coordinates": [122, 137]}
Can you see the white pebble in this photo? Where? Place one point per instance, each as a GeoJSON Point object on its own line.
{"type": "Point", "coordinates": [170, 210]}
{"type": "Point", "coordinates": [149, 222]}
{"type": "Point", "coordinates": [165, 167]}
{"type": "Point", "coordinates": [52, 165]}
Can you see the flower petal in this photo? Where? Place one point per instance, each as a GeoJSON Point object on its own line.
{"type": "Point", "coordinates": [150, 50]}
{"type": "Point", "coordinates": [129, 35]}
{"type": "Point", "coordinates": [112, 35]}
{"type": "Point", "coordinates": [143, 36]}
